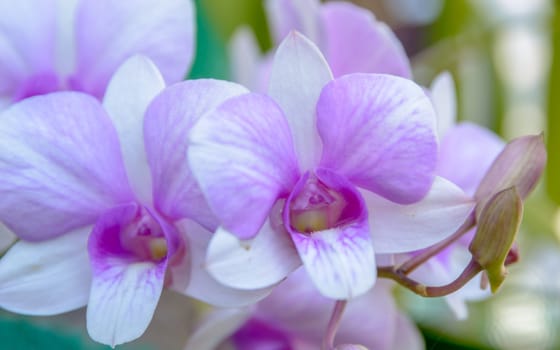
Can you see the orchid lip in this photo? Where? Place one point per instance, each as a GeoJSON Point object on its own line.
{"type": "Point", "coordinates": [144, 237]}
{"type": "Point", "coordinates": [38, 84]}
{"type": "Point", "coordinates": [315, 206]}
{"type": "Point", "coordinates": [131, 233]}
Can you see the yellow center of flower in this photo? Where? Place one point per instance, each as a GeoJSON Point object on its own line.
{"type": "Point", "coordinates": [316, 207]}
{"type": "Point", "coordinates": [158, 248]}
{"type": "Point", "coordinates": [144, 238]}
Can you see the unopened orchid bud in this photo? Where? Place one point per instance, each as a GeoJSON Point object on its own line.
{"type": "Point", "coordinates": [519, 165]}
{"type": "Point", "coordinates": [351, 347]}
{"type": "Point", "coordinates": [497, 228]}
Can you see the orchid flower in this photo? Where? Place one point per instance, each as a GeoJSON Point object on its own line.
{"type": "Point", "coordinates": [349, 36]}
{"type": "Point", "coordinates": [295, 316]}
{"type": "Point", "coordinates": [107, 211]}
{"type": "Point", "coordinates": [466, 153]}
{"type": "Point", "coordinates": [320, 173]}
{"type": "Point", "coordinates": [52, 45]}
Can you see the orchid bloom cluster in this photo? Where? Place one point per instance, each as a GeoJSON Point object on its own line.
{"type": "Point", "coordinates": [297, 207]}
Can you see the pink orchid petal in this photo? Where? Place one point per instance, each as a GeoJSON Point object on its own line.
{"type": "Point", "coordinates": [362, 325]}
{"type": "Point", "coordinates": [46, 278]}
{"type": "Point", "coordinates": [122, 301]}
{"type": "Point", "coordinates": [339, 256]}
{"type": "Point", "coordinates": [125, 290]}
{"type": "Point", "coordinates": [65, 55]}
{"type": "Point", "coordinates": [340, 261]}
{"type": "Point", "coordinates": [204, 287]}
{"type": "Point", "coordinates": [379, 132]}
{"type": "Point", "coordinates": [27, 43]}
{"type": "Point", "coordinates": [466, 153]}
{"type": "Point", "coordinates": [399, 228]}
{"type": "Point", "coordinates": [436, 273]}
{"type": "Point", "coordinates": [259, 263]}
{"type": "Point", "coordinates": [442, 93]}
{"type": "Point", "coordinates": [308, 310]}
{"type": "Point", "coordinates": [130, 91]}
{"type": "Point", "coordinates": [257, 335]}
{"type": "Point", "coordinates": [4, 103]}
{"type": "Point", "coordinates": [354, 41]}
{"type": "Point", "coordinates": [296, 307]}
{"type": "Point", "coordinates": [216, 328]}
{"type": "Point", "coordinates": [244, 54]}
{"type": "Point", "coordinates": [61, 165]}
{"type": "Point", "coordinates": [299, 72]}
{"type": "Point", "coordinates": [108, 32]}
{"type": "Point", "coordinates": [459, 258]}
{"type": "Point", "coordinates": [406, 336]}
{"type": "Point", "coordinates": [287, 15]}
{"type": "Point", "coordinates": [243, 158]}
{"type": "Point", "coordinates": [168, 122]}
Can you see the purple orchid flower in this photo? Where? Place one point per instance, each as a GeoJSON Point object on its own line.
{"type": "Point", "coordinates": [466, 153]}
{"type": "Point", "coordinates": [295, 316]}
{"type": "Point", "coordinates": [50, 45]}
{"type": "Point", "coordinates": [320, 173]}
{"type": "Point", "coordinates": [107, 211]}
{"type": "Point", "coordinates": [349, 36]}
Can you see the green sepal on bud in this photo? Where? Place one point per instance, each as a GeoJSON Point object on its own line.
{"type": "Point", "coordinates": [519, 165]}
{"type": "Point", "coordinates": [497, 227]}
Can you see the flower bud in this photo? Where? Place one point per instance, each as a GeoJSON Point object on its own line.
{"type": "Point", "coordinates": [519, 165]}
{"type": "Point", "coordinates": [497, 227]}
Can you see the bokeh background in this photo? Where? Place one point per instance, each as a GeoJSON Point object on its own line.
{"type": "Point", "coordinates": [505, 58]}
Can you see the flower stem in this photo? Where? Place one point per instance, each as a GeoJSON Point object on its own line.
{"type": "Point", "coordinates": [411, 264]}
{"type": "Point", "coordinates": [398, 276]}
{"type": "Point", "coordinates": [328, 340]}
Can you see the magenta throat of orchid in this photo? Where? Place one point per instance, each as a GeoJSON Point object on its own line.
{"type": "Point", "coordinates": [144, 237]}
{"type": "Point", "coordinates": [318, 207]}
{"type": "Point", "coordinates": [38, 84]}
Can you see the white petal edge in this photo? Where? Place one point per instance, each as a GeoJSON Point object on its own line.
{"type": "Point", "coordinates": [27, 42]}
{"type": "Point", "coordinates": [108, 32]}
{"type": "Point", "coordinates": [286, 15]}
{"type": "Point", "coordinates": [407, 336]}
{"type": "Point", "coordinates": [403, 228]}
{"type": "Point", "coordinates": [245, 58]}
{"type": "Point", "coordinates": [434, 273]}
{"type": "Point", "coordinates": [299, 73]}
{"type": "Point", "coordinates": [472, 291]}
{"type": "Point", "coordinates": [340, 264]}
{"type": "Point", "coordinates": [442, 93]}
{"type": "Point", "coordinates": [122, 301]}
{"type": "Point", "coordinates": [204, 287]}
{"type": "Point", "coordinates": [131, 89]}
{"type": "Point", "coordinates": [61, 165]}
{"type": "Point", "coordinates": [167, 123]}
{"type": "Point", "coordinates": [65, 36]}
{"type": "Point", "coordinates": [46, 278]}
{"type": "Point", "coordinates": [251, 264]}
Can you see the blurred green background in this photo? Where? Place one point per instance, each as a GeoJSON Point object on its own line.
{"type": "Point", "coordinates": [504, 56]}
